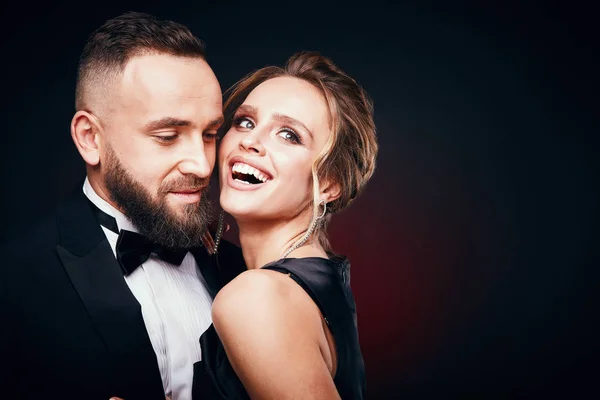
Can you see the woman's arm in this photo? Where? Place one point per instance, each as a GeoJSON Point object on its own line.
{"type": "Point", "coordinates": [274, 337]}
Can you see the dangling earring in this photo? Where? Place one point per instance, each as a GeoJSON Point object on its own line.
{"type": "Point", "coordinates": [211, 243]}
{"type": "Point", "coordinates": [219, 233]}
{"type": "Point", "coordinates": [324, 209]}
{"type": "Point", "coordinates": [309, 232]}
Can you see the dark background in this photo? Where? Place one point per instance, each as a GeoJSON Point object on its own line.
{"type": "Point", "coordinates": [474, 248]}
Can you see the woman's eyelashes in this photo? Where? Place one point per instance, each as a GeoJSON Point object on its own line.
{"type": "Point", "coordinates": [290, 135]}
{"type": "Point", "coordinates": [286, 133]}
{"type": "Point", "coordinates": [243, 122]}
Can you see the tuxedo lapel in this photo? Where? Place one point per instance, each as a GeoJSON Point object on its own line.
{"type": "Point", "coordinates": [96, 276]}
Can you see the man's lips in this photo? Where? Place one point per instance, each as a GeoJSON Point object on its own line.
{"type": "Point", "coordinates": [187, 195]}
{"type": "Point", "coordinates": [186, 191]}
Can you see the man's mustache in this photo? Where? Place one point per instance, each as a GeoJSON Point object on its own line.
{"type": "Point", "coordinates": [185, 183]}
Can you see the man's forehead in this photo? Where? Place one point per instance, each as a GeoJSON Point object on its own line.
{"type": "Point", "coordinates": [152, 70]}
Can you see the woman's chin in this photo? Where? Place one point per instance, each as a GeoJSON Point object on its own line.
{"type": "Point", "coordinates": [247, 213]}
{"type": "Point", "coordinates": [237, 209]}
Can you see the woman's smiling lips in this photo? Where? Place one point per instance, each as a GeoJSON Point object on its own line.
{"type": "Point", "coordinates": [243, 167]}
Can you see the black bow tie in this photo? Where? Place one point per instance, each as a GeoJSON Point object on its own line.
{"type": "Point", "coordinates": [133, 249]}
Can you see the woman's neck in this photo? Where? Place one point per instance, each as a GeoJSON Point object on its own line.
{"type": "Point", "coordinates": [266, 241]}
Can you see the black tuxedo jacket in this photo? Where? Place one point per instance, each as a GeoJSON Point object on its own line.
{"type": "Point", "coordinates": [71, 328]}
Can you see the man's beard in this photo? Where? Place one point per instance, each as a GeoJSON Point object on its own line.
{"type": "Point", "coordinates": [153, 217]}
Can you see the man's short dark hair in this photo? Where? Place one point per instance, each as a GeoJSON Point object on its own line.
{"type": "Point", "coordinates": [111, 46]}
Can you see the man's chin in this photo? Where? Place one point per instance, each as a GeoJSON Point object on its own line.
{"type": "Point", "coordinates": [180, 211]}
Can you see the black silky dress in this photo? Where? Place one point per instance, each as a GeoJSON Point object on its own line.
{"type": "Point", "coordinates": [327, 282]}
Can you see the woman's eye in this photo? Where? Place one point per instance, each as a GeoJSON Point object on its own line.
{"type": "Point", "coordinates": [245, 123]}
{"type": "Point", "coordinates": [289, 135]}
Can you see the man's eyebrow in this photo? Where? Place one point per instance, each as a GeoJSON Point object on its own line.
{"type": "Point", "coordinates": [215, 123]}
{"type": "Point", "coordinates": [167, 122]}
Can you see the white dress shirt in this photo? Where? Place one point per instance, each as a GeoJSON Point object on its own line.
{"type": "Point", "coordinates": [176, 307]}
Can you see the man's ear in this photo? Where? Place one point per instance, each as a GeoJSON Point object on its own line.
{"type": "Point", "coordinates": [330, 191]}
{"type": "Point", "coordinates": [85, 129]}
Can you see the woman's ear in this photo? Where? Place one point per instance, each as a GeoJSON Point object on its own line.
{"type": "Point", "coordinates": [330, 191]}
{"type": "Point", "coordinates": [85, 128]}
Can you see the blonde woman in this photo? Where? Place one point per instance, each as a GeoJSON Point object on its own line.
{"type": "Point", "coordinates": [299, 146]}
